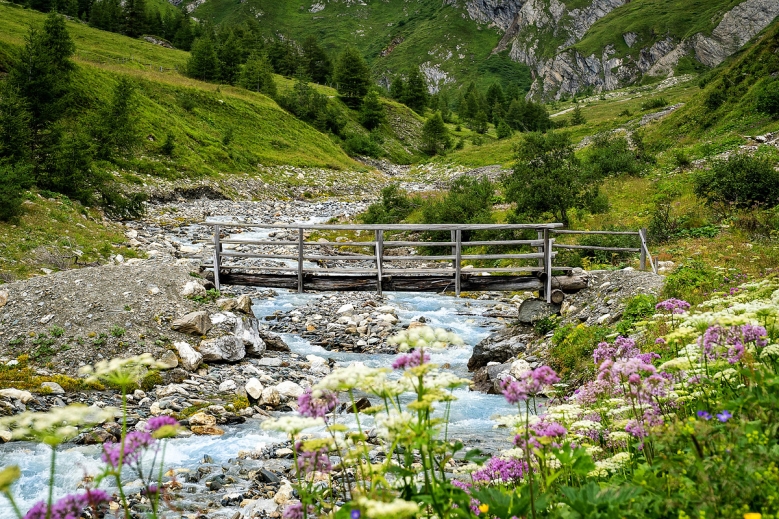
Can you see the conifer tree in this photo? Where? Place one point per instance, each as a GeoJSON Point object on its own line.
{"type": "Point", "coordinates": [435, 135]}
{"type": "Point", "coordinates": [416, 95]}
{"type": "Point", "coordinates": [14, 125]}
{"type": "Point", "coordinates": [317, 63]}
{"type": "Point", "coordinates": [577, 117]}
{"type": "Point", "coordinates": [257, 76]}
{"type": "Point", "coordinates": [397, 89]}
{"type": "Point", "coordinates": [116, 130]}
{"type": "Point", "coordinates": [229, 55]}
{"type": "Point", "coordinates": [134, 18]}
{"type": "Point", "coordinates": [352, 76]}
{"type": "Point", "coordinates": [203, 63]}
{"type": "Point", "coordinates": [372, 111]}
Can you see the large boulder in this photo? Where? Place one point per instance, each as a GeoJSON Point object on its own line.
{"type": "Point", "coordinates": [17, 394]}
{"type": "Point", "coordinates": [3, 298]}
{"type": "Point", "coordinates": [248, 329]}
{"type": "Point", "coordinates": [273, 342]}
{"type": "Point", "coordinates": [270, 396]}
{"type": "Point", "coordinates": [195, 323]}
{"type": "Point", "coordinates": [498, 347]}
{"type": "Point", "coordinates": [227, 348]}
{"type": "Point", "coordinates": [244, 304]}
{"type": "Point", "coordinates": [532, 310]}
{"type": "Point", "coordinates": [254, 388]}
{"type": "Point", "coordinates": [190, 358]}
{"type": "Point", "coordinates": [289, 389]}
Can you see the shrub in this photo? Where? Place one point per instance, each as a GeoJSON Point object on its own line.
{"type": "Point", "coordinates": [611, 155]}
{"type": "Point", "coordinates": [637, 309]}
{"type": "Point", "coordinates": [362, 145]}
{"type": "Point", "coordinates": [657, 102]}
{"type": "Point", "coordinates": [741, 181]}
{"type": "Point", "coordinates": [691, 282]}
{"type": "Point", "coordinates": [768, 98]}
{"type": "Point", "coordinates": [571, 354]}
{"type": "Point", "coordinates": [608, 240]}
{"type": "Point", "coordinates": [11, 191]}
{"type": "Point", "coordinates": [469, 200]}
{"type": "Point", "coordinates": [393, 207]}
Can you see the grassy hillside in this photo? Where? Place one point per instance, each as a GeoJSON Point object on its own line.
{"type": "Point", "coordinates": [198, 115]}
{"type": "Point", "coordinates": [393, 35]}
{"type": "Point", "coordinates": [653, 20]}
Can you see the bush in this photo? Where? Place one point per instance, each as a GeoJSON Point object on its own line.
{"type": "Point", "coordinates": [691, 282]}
{"type": "Point", "coordinates": [395, 205]}
{"type": "Point", "coordinates": [637, 309]}
{"type": "Point", "coordinates": [603, 257]}
{"type": "Point", "coordinates": [362, 145]}
{"type": "Point", "coordinates": [611, 155]}
{"type": "Point", "coordinates": [741, 181]}
{"type": "Point", "coordinates": [571, 354]}
{"type": "Point", "coordinates": [469, 200]}
{"type": "Point", "coordinates": [657, 102]}
{"type": "Point", "coordinates": [768, 98]}
{"type": "Point", "coordinates": [12, 179]}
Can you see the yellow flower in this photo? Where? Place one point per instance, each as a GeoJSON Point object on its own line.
{"type": "Point", "coordinates": [7, 477]}
{"type": "Point", "coordinates": [484, 508]}
{"type": "Point", "coordinates": [752, 515]}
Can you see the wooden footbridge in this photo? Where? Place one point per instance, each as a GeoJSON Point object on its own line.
{"type": "Point", "coordinates": [390, 259]}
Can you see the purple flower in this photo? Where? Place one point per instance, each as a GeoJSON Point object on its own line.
{"type": "Point", "coordinates": [295, 511]}
{"type": "Point", "coordinates": [501, 470]}
{"type": "Point", "coordinates": [411, 360]}
{"type": "Point", "coordinates": [355, 514]}
{"type": "Point", "coordinates": [313, 461]}
{"type": "Point", "coordinates": [514, 391]}
{"type": "Point", "coordinates": [134, 444]}
{"type": "Point", "coordinates": [674, 306]}
{"type": "Point", "coordinates": [158, 422]}
{"type": "Point", "coordinates": [724, 416]}
{"type": "Point", "coordinates": [704, 415]}
{"type": "Point", "coordinates": [70, 506]}
{"type": "Point", "coordinates": [317, 407]}
{"type": "Point", "coordinates": [659, 340]}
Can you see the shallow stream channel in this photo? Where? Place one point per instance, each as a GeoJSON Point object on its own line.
{"type": "Point", "coordinates": [218, 456]}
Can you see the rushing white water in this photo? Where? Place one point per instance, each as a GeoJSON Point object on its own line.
{"type": "Point", "coordinates": [469, 419]}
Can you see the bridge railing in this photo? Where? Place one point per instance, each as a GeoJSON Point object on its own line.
{"type": "Point", "coordinates": [380, 267]}
{"type": "Point", "coordinates": [642, 249]}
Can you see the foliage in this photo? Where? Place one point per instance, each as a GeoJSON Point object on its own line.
{"type": "Point", "coordinates": [691, 281]}
{"type": "Point", "coordinates": [637, 308]}
{"type": "Point", "coordinates": [503, 130]}
{"type": "Point", "coordinates": [257, 75]}
{"type": "Point", "coordinates": [393, 206]}
{"type": "Point", "coordinates": [611, 155]}
{"type": "Point", "coordinates": [372, 111]}
{"type": "Point", "coordinates": [602, 257]}
{"type": "Point", "coordinates": [657, 102]}
{"type": "Point", "coordinates": [203, 63]}
{"type": "Point", "coordinates": [571, 353]}
{"type": "Point", "coordinates": [414, 92]}
{"type": "Point", "coordinates": [548, 177]}
{"type": "Point", "coordinates": [577, 117]}
{"type": "Point", "coordinates": [435, 135]}
{"type": "Point", "coordinates": [767, 100]}
{"type": "Point", "coordinates": [12, 180]}
{"type": "Point", "coordinates": [741, 181]}
{"type": "Point", "coordinates": [546, 325]}
{"type": "Point", "coordinates": [116, 130]}
{"type": "Point", "coordinates": [469, 200]}
{"type": "Point", "coordinates": [360, 145]}
{"type": "Point", "coordinates": [352, 75]}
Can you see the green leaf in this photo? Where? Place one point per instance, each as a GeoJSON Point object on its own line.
{"type": "Point", "coordinates": [476, 456]}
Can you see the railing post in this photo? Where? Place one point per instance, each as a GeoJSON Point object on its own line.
{"type": "Point", "coordinates": [548, 266]}
{"type": "Point", "coordinates": [642, 237]}
{"type": "Point", "coordinates": [217, 262]}
{"type": "Point", "coordinates": [300, 261]}
{"type": "Point", "coordinates": [540, 248]}
{"type": "Point", "coordinates": [458, 260]}
{"type": "Point", "coordinates": [379, 257]}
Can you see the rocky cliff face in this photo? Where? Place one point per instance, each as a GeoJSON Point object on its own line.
{"type": "Point", "coordinates": [541, 33]}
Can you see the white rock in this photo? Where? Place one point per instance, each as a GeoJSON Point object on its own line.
{"type": "Point", "coordinates": [604, 318]}
{"type": "Point", "coordinates": [190, 359]}
{"type": "Point", "coordinates": [55, 388]}
{"type": "Point", "coordinates": [319, 365]}
{"type": "Point", "coordinates": [270, 396]}
{"type": "Point", "coordinates": [228, 348]}
{"type": "Point", "coordinates": [388, 318]}
{"type": "Point", "coordinates": [192, 288]}
{"type": "Point", "coordinates": [4, 298]}
{"type": "Point", "coordinates": [17, 394]}
{"type": "Point", "coordinates": [518, 368]}
{"type": "Point", "coordinates": [171, 389]}
{"type": "Point", "coordinates": [155, 409]}
{"type": "Point", "coordinates": [283, 494]}
{"type": "Point", "coordinates": [387, 310]}
{"type": "Point", "coordinates": [270, 362]}
{"type": "Point", "coordinates": [46, 319]}
{"type": "Point", "coordinates": [346, 309]}
{"type": "Point", "coordinates": [201, 418]}
{"type": "Point", "coordinates": [289, 389]}
{"type": "Point", "coordinates": [254, 388]}
{"type": "Point", "coordinates": [228, 386]}
{"type": "Point", "coordinates": [5, 436]}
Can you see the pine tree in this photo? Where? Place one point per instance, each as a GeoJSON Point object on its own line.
{"type": "Point", "coordinates": [14, 125]}
{"type": "Point", "coordinates": [435, 135]}
{"type": "Point", "coordinates": [284, 57]}
{"type": "Point", "coordinates": [257, 76]}
{"type": "Point", "coordinates": [503, 130]}
{"type": "Point", "coordinates": [416, 96]}
{"type": "Point", "coordinates": [480, 122]}
{"type": "Point", "coordinates": [397, 89]}
{"type": "Point", "coordinates": [203, 63]}
{"type": "Point", "coordinates": [494, 97]}
{"type": "Point", "coordinates": [317, 63]}
{"type": "Point", "coordinates": [229, 60]}
{"type": "Point", "coordinates": [42, 75]}
{"type": "Point", "coordinates": [372, 111]}
{"type": "Point", "coordinates": [116, 130]}
{"type": "Point", "coordinates": [577, 117]}
{"type": "Point", "coordinates": [106, 15]}
{"type": "Point", "coordinates": [352, 76]}
{"type": "Point", "coordinates": [134, 18]}
{"type": "Point", "coordinates": [12, 179]}
{"type": "Point", "coordinates": [184, 36]}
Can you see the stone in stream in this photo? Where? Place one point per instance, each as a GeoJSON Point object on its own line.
{"type": "Point", "coordinates": [270, 396]}
{"type": "Point", "coordinates": [228, 386]}
{"type": "Point", "coordinates": [532, 310]}
{"type": "Point", "coordinates": [248, 330]}
{"type": "Point", "coordinates": [289, 389]}
{"type": "Point", "coordinates": [226, 348]}
{"type": "Point", "coordinates": [204, 424]}
{"type": "Point", "coordinates": [499, 347]}
{"type": "Point", "coordinates": [273, 342]}
{"type": "Point", "coordinates": [254, 388]}
{"type": "Point", "coordinates": [195, 323]}
{"type": "Point", "coordinates": [190, 358]}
